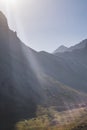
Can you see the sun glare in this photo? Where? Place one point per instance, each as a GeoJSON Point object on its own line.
{"type": "Point", "coordinates": [10, 2]}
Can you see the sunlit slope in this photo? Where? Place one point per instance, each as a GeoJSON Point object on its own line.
{"type": "Point", "coordinates": [29, 79]}
{"type": "Point", "coordinates": [75, 119]}
{"type": "Point", "coordinates": [20, 90]}
{"type": "Point", "coordinates": [60, 95]}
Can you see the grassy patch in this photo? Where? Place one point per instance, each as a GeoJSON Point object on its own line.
{"type": "Point", "coordinates": [50, 119]}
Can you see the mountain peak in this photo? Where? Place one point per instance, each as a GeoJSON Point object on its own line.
{"type": "Point", "coordinates": [61, 48]}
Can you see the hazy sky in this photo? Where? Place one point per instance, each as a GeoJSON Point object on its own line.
{"type": "Point", "coordinates": [46, 24]}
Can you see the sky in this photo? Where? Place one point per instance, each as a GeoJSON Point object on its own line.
{"type": "Point", "coordinates": [47, 24]}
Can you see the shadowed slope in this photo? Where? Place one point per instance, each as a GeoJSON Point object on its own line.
{"type": "Point", "coordinates": [29, 79]}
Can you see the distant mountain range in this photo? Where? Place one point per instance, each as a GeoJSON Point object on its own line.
{"type": "Point", "coordinates": [69, 67]}
{"type": "Point", "coordinates": [63, 48]}
{"type": "Point", "coordinates": [29, 78]}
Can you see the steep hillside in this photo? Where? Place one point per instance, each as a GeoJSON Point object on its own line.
{"type": "Point", "coordinates": [69, 68]}
{"type": "Point", "coordinates": [29, 79]}
{"type": "Point", "coordinates": [19, 86]}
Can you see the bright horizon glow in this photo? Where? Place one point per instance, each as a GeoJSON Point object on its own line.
{"type": "Point", "coordinates": [9, 2]}
{"type": "Point", "coordinates": [47, 24]}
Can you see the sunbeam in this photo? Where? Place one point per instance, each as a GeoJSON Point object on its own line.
{"type": "Point", "coordinates": [9, 2]}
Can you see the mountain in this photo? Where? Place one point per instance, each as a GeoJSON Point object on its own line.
{"type": "Point", "coordinates": [61, 49]}
{"type": "Point", "coordinates": [70, 68]}
{"type": "Point", "coordinates": [80, 45]}
{"type": "Point", "coordinates": [29, 79]}
{"type": "Point", "coordinates": [17, 79]}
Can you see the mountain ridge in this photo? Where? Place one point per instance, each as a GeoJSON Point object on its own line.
{"type": "Point", "coordinates": [78, 46]}
{"type": "Point", "coordinates": [60, 49]}
{"type": "Point", "coordinates": [29, 79]}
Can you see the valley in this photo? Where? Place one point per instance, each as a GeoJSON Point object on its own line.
{"type": "Point", "coordinates": [41, 90]}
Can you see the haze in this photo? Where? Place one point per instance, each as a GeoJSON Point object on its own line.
{"type": "Point", "coordinates": [46, 24]}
